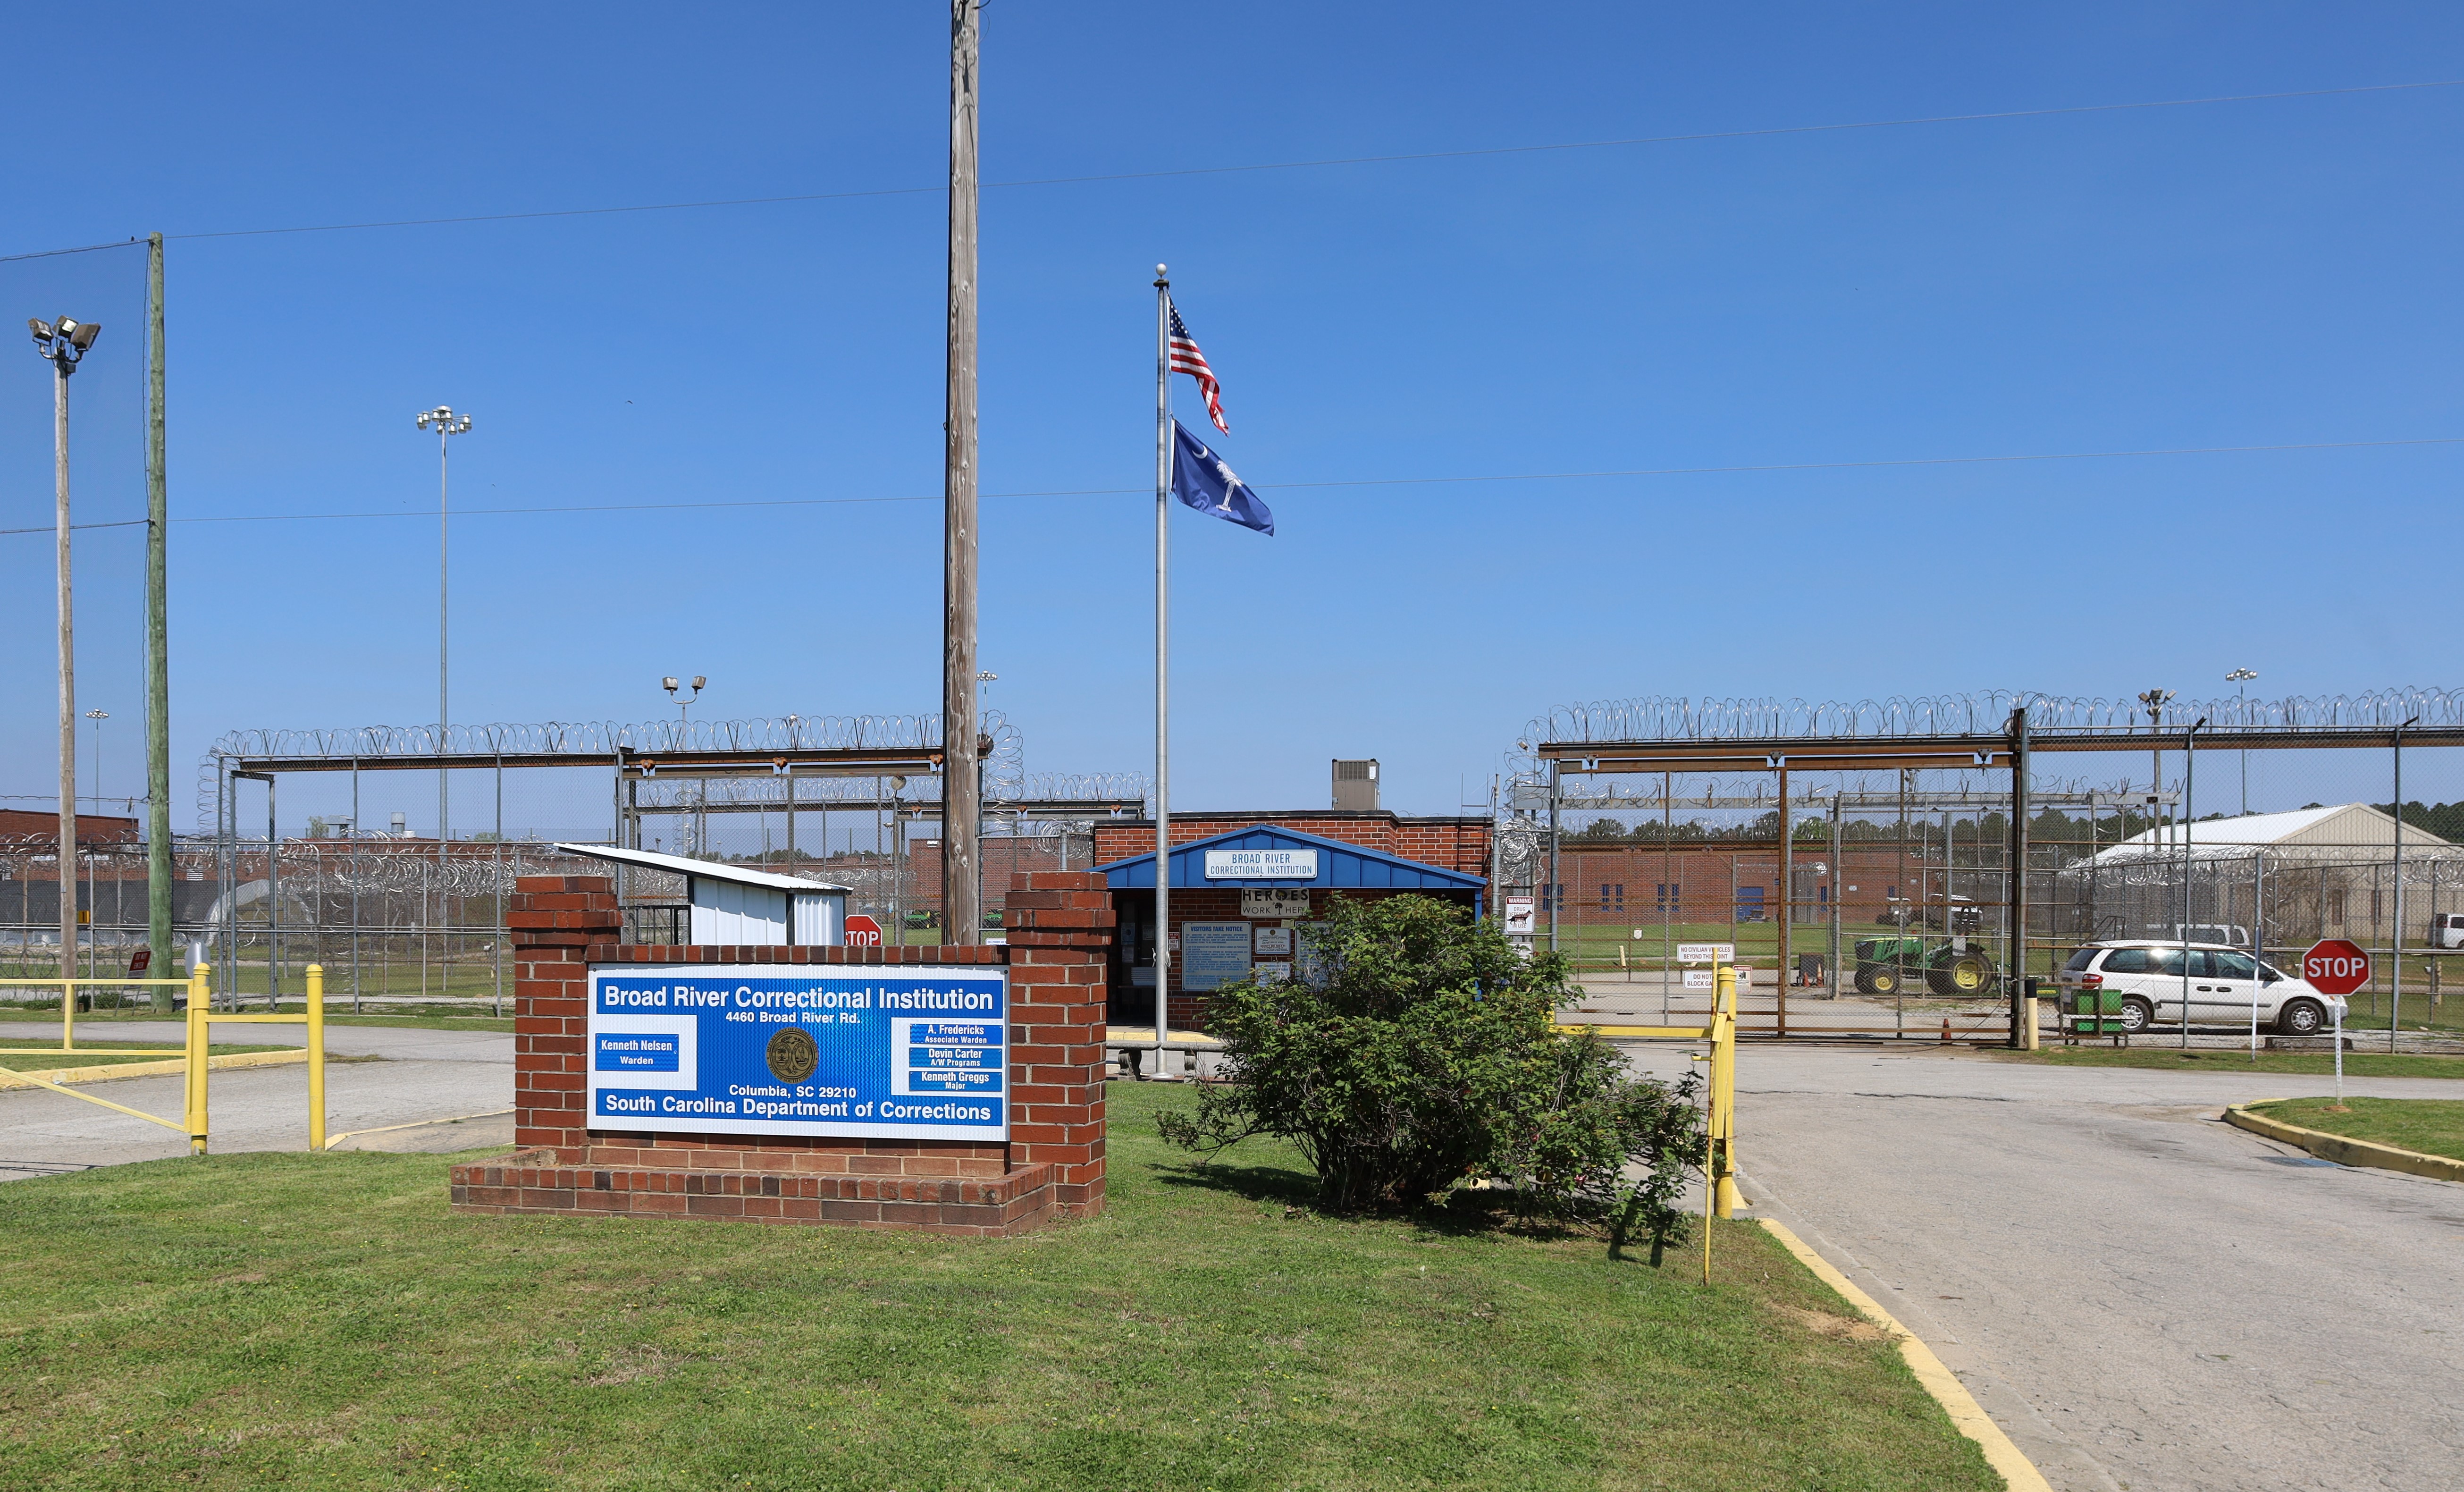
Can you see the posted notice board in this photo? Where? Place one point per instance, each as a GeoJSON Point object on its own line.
{"type": "Point", "coordinates": [770, 1049]}
{"type": "Point", "coordinates": [1212, 954]}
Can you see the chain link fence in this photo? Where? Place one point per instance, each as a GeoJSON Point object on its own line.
{"type": "Point", "coordinates": [348, 850]}
{"type": "Point", "coordinates": [1885, 907]}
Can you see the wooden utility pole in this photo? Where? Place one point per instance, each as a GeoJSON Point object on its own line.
{"type": "Point", "coordinates": [962, 760]}
{"type": "Point", "coordinates": [158, 650]}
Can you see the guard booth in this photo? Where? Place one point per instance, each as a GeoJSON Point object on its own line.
{"type": "Point", "coordinates": [1240, 900]}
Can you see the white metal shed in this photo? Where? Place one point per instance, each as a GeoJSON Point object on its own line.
{"type": "Point", "coordinates": [746, 908]}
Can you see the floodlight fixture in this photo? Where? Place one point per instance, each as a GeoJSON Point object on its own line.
{"type": "Point", "coordinates": [2237, 675]}
{"type": "Point", "coordinates": [684, 700]}
{"type": "Point", "coordinates": [63, 343]}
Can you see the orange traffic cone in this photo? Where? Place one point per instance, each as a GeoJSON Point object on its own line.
{"type": "Point", "coordinates": [1946, 1030]}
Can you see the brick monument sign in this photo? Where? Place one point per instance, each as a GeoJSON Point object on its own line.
{"type": "Point", "coordinates": [995, 1126]}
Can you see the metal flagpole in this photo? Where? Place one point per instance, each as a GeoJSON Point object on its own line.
{"type": "Point", "coordinates": [1163, 715]}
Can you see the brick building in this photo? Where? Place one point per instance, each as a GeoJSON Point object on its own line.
{"type": "Point", "coordinates": [1244, 885]}
{"type": "Point", "coordinates": [1455, 844]}
{"type": "Point", "coordinates": [94, 830]}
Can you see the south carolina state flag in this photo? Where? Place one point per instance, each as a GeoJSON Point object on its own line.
{"type": "Point", "coordinates": [1201, 479]}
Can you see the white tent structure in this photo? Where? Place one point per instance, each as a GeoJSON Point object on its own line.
{"type": "Point", "coordinates": [2323, 871]}
{"type": "Point", "coordinates": [2337, 834]}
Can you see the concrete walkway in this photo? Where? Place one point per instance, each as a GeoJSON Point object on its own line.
{"type": "Point", "coordinates": [426, 1079]}
{"type": "Point", "coordinates": [2141, 1296]}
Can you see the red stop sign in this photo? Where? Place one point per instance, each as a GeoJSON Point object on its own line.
{"type": "Point", "coordinates": [862, 932]}
{"type": "Point", "coordinates": [2335, 966]}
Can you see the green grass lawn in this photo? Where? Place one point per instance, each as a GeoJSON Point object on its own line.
{"type": "Point", "coordinates": [391, 980]}
{"type": "Point", "coordinates": [85, 1057]}
{"type": "Point", "coordinates": [270, 1321]}
{"type": "Point", "coordinates": [2432, 1126]}
{"type": "Point", "coordinates": [2372, 1014]}
{"type": "Point", "coordinates": [2364, 1065]}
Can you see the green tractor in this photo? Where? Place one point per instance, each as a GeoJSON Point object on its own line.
{"type": "Point", "coordinates": [1949, 965]}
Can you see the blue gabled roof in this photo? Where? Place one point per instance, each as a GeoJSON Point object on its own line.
{"type": "Point", "coordinates": [1338, 866]}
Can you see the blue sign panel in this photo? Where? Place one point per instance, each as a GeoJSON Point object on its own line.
{"type": "Point", "coordinates": [777, 1049]}
{"type": "Point", "coordinates": [1213, 953]}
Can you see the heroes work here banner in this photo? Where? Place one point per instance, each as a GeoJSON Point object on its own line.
{"type": "Point", "coordinates": [773, 1049]}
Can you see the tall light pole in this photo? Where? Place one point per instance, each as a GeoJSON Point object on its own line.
{"type": "Point", "coordinates": [447, 425]}
{"type": "Point", "coordinates": [2239, 679]}
{"type": "Point", "coordinates": [698, 825]}
{"type": "Point", "coordinates": [64, 344]}
{"type": "Point", "coordinates": [2155, 699]}
{"type": "Point", "coordinates": [95, 776]}
{"type": "Point", "coordinates": [684, 704]}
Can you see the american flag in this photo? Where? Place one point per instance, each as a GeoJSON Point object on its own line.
{"type": "Point", "coordinates": [1187, 358]}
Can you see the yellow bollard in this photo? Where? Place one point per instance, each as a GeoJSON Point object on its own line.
{"type": "Point", "coordinates": [200, 998]}
{"type": "Point", "coordinates": [1724, 1086]}
{"type": "Point", "coordinates": [316, 1057]}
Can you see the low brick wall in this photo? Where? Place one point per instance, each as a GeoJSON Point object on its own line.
{"type": "Point", "coordinates": [1052, 1165]}
{"type": "Point", "coordinates": [534, 1182]}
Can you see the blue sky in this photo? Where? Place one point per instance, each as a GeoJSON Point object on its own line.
{"type": "Point", "coordinates": [2245, 274]}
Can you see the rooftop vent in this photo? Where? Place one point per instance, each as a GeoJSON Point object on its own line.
{"type": "Point", "coordinates": [1355, 786]}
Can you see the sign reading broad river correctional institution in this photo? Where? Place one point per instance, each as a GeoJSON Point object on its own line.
{"type": "Point", "coordinates": [1261, 865]}
{"type": "Point", "coordinates": [865, 1053]}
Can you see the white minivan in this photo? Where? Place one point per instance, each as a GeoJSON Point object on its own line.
{"type": "Point", "coordinates": [2220, 983]}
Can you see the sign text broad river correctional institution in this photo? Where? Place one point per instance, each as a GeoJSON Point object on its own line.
{"type": "Point", "coordinates": [865, 1053]}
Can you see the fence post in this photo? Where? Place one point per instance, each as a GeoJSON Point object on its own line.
{"type": "Point", "coordinates": [316, 1057]}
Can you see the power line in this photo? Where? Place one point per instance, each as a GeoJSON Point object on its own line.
{"type": "Point", "coordinates": [1764, 467]}
{"type": "Point", "coordinates": [51, 528]}
{"type": "Point", "coordinates": [1629, 142]}
{"type": "Point", "coordinates": [53, 254]}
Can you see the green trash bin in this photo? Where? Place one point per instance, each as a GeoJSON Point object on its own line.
{"type": "Point", "coordinates": [2095, 1012]}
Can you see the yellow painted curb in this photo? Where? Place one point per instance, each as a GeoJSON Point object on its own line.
{"type": "Point", "coordinates": [2017, 1471]}
{"type": "Point", "coordinates": [2344, 1149]}
{"type": "Point", "coordinates": [101, 1071]}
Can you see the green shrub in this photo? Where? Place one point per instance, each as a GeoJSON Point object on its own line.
{"type": "Point", "coordinates": [1423, 1054]}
